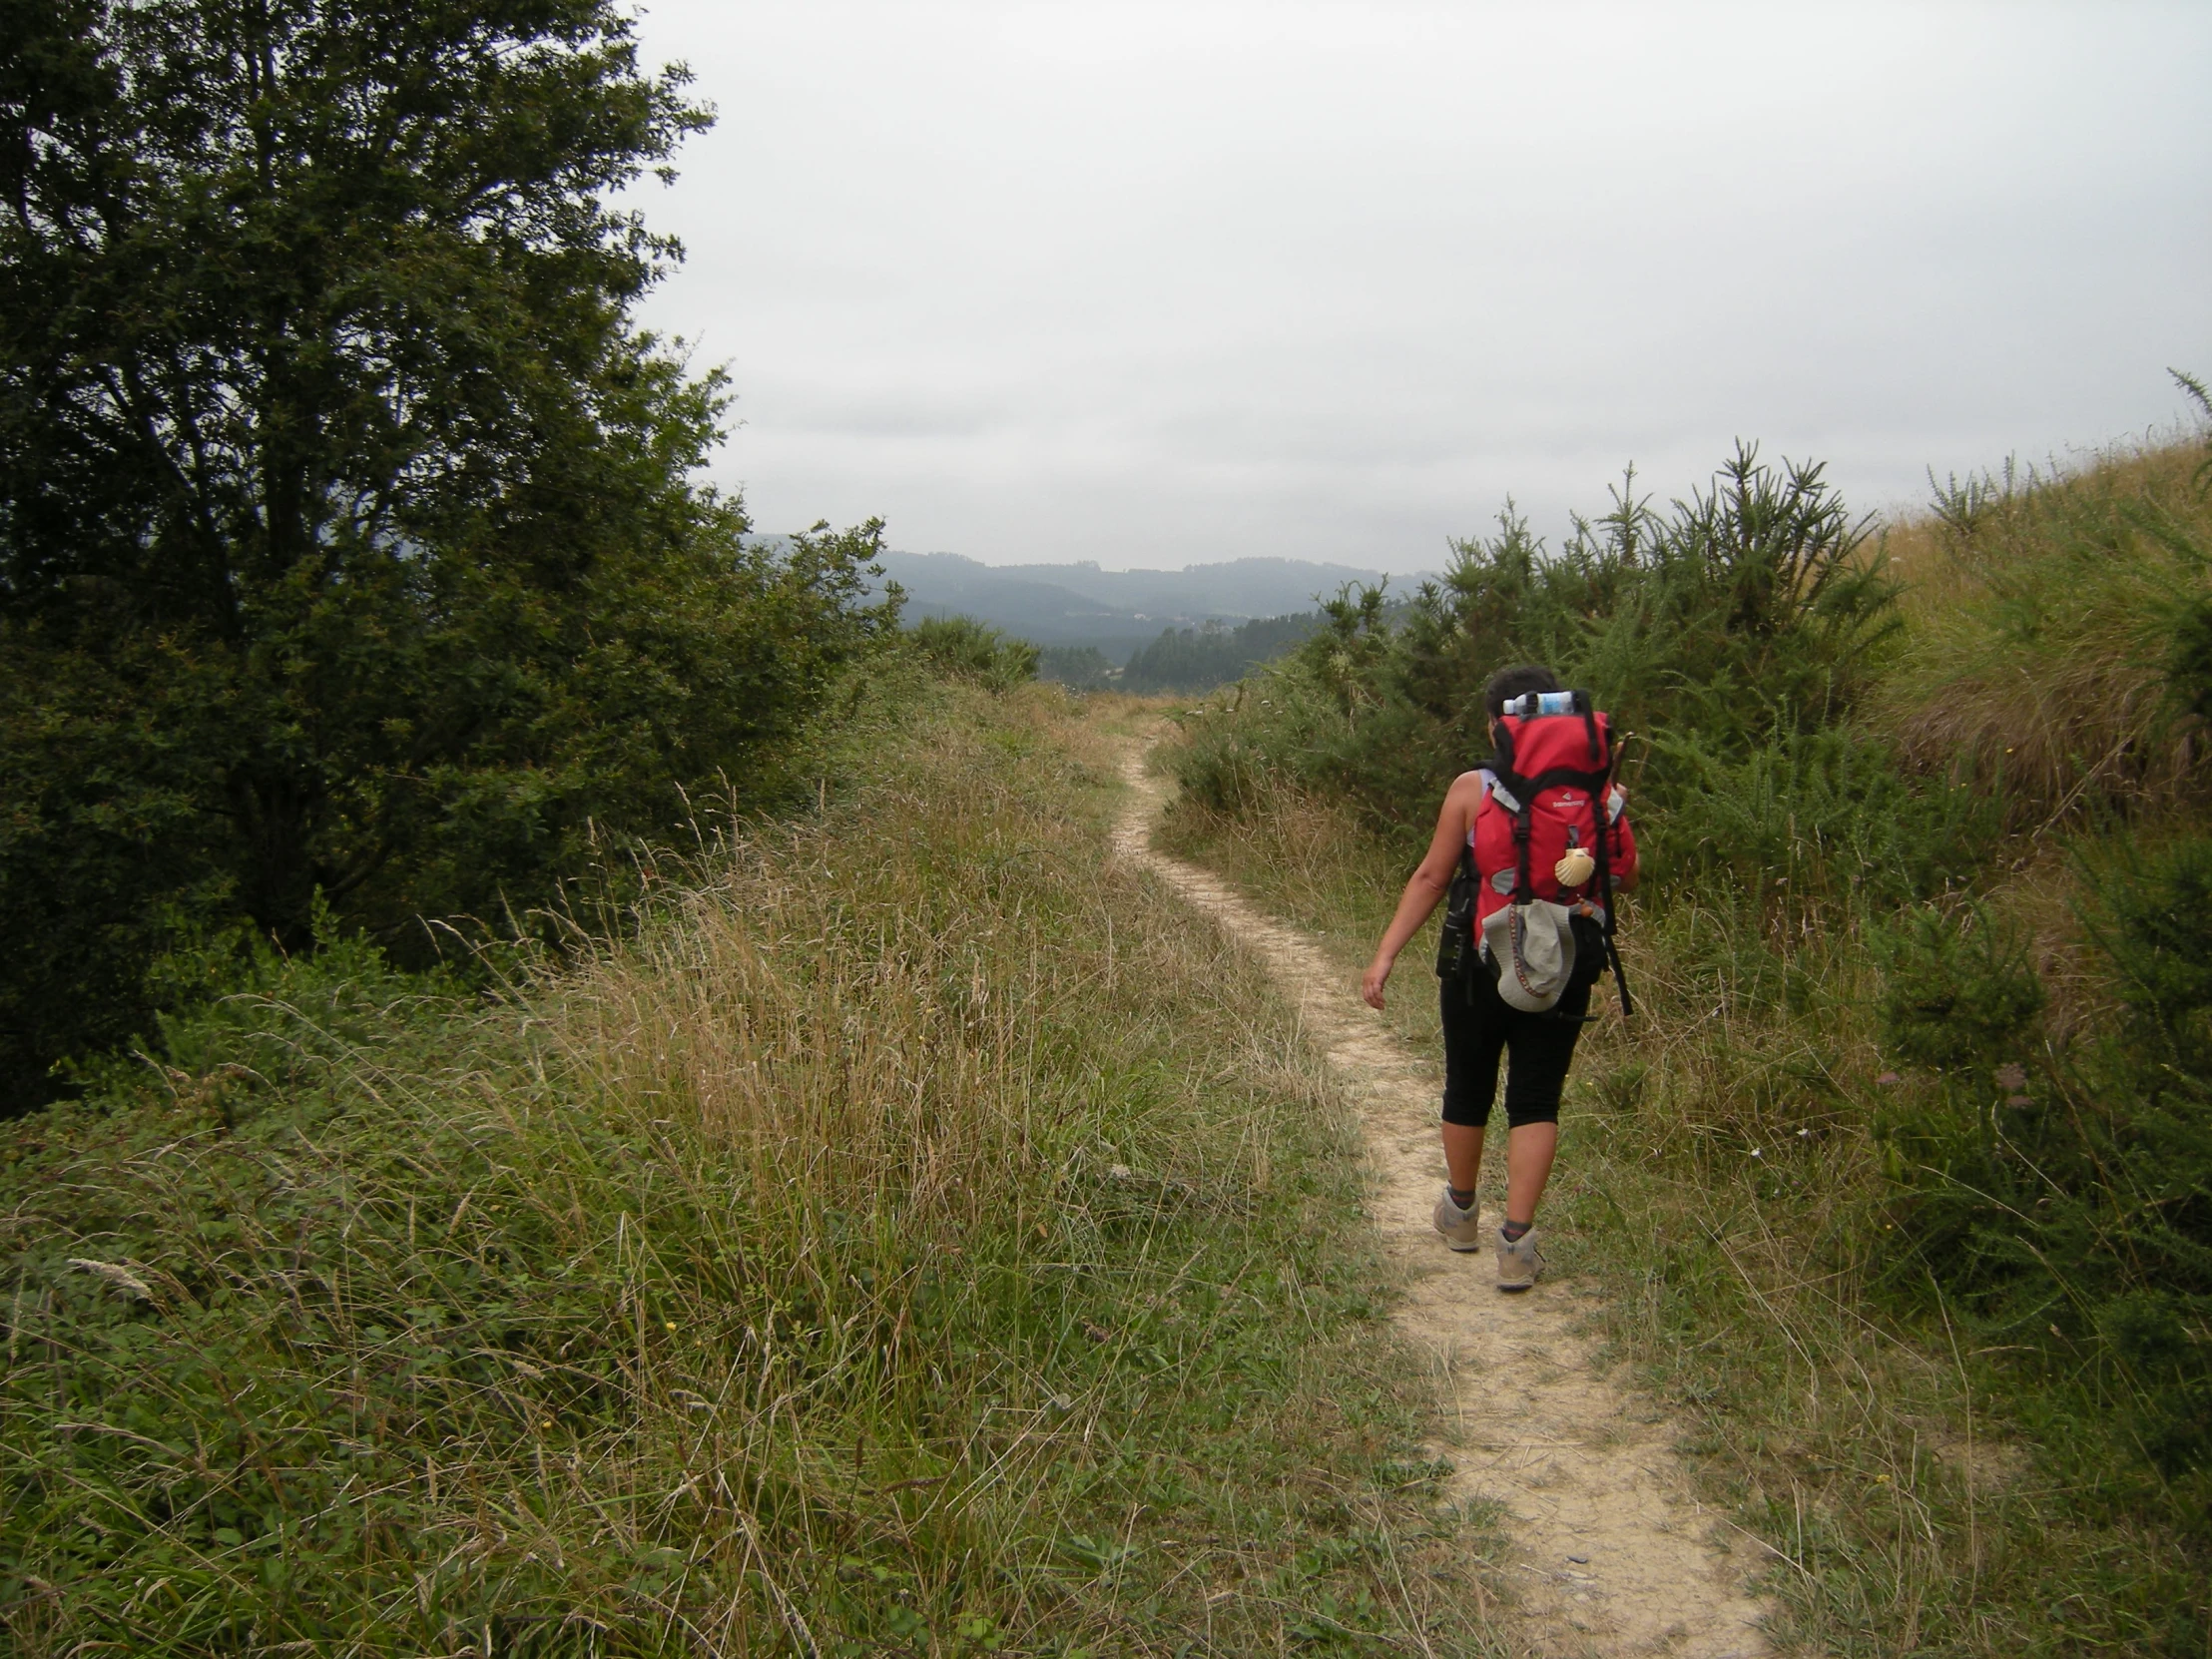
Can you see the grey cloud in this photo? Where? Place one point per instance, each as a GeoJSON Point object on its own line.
{"type": "Point", "coordinates": [1156, 283]}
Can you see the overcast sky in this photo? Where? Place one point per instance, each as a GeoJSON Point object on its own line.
{"type": "Point", "coordinates": [1161, 285]}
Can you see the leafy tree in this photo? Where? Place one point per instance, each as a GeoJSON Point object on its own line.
{"type": "Point", "coordinates": [348, 541]}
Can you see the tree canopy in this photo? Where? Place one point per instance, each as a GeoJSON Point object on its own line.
{"type": "Point", "coordinates": [349, 538]}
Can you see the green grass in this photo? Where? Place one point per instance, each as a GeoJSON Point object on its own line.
{"type": "Point", "coordinates": [2047, 620]}
{"type": "Point", "coordinates": [913, 1234]}
{"type": "Point", "coordinates": [1723, 1177]}
{"type": "Point", "coordinates": [1913, 1142]}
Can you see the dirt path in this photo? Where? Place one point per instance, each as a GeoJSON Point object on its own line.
{"type": "Point", "coordinates": [1613, 1556]}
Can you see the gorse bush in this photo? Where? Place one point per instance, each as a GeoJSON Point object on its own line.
{"type": "Point", "coordinates": [1959, 991]}
{"type": "Point", "coordinates": [975, 651]}
{"type": "Point", "coordinates": [1825, 814]}
{"type": "Point", "coordinates": [912, 1229]}
{"type": "Point", "coordinates": [2158, 932]}
{"type": "Point", "coordinates": [2067, 1193]}
{"type": "Point", "coordinates": [1751, 610]}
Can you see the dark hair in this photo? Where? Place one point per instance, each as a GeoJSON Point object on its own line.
{"type": "Point", "coordinates": [1509, 683]}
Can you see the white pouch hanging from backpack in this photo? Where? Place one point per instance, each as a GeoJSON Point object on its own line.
{"type": "Point", "coordinates": [1533, 947]}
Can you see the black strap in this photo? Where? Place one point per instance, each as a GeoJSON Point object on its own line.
{"type": "Point", "coordinates": [1604, 797]}
{"type": "Point", "coordinates": [1523, 792]}
{"type": "Point", "coordinates": [1612, 903]}
{"type": "Point", "coordinates": [1559, 778]}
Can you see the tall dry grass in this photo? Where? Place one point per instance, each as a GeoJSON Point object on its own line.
{"type": "Point", "coordinates": [916, 1237]}
{"type": "Point", "coordinates": [2041, 612]}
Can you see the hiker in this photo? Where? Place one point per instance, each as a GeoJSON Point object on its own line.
{"type": "Point", "coordinates": [1527, 935]}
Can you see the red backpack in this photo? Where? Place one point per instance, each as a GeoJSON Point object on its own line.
{"type": "Point", "coordinates": [1553, 792]}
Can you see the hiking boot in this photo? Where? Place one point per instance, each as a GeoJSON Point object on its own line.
{"type": "Point", "coordinates": [1459, 1228]}
{"type": "Point", "coordinates": [1518, 1260]}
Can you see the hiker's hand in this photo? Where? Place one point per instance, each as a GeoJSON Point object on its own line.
{"type": "Point", "coordinates": [1575, 868]}
{"type": "Point", "coordinates": [1378, 974]}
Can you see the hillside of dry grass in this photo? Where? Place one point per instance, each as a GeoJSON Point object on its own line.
{"type": "Point", "coordinates": [2044, 620]}
{"type": "Point", "coordinates": [910, 1234]}
{"type": "Point", "coordinates": [1902, 1178]}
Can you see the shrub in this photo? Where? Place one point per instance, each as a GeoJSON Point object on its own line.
{"type": "Point", "coordinates": [1959, 991]}
{"type": "Point", "coordinates": [2067, 1201]}
{"type": "Point", "coordinates": [1751, 609]}
{"type": "Point", "coordinates": [972, 650]}
{"type": "Point", "coordinates": [2159, 933]}
{"type": "Point", "coordinates": [1816, 815]}
{"type": "Point", "coordinates": [477, 762]}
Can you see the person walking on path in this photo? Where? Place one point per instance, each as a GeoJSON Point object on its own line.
{"type": "Point", "coordinates": [1483, 837]}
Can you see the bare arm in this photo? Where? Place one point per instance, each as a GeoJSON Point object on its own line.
{"type": "Point", "coordinates": [1428, 883]}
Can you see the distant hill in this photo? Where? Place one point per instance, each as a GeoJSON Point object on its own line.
{"type": "Point", "coordinates": [1199, 659]}
{"type": "Point", "coordinates": [1117, 610]}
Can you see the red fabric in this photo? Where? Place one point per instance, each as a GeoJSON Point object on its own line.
{"type": "Point", "coordinates": [1544, 743]}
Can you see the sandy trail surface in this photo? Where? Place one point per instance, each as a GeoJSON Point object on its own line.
{"type": "Point", "coordinates": [1611, 1553]}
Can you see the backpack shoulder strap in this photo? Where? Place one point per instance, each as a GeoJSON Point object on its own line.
{"type": "Point", "coordinates": [1600, 793]}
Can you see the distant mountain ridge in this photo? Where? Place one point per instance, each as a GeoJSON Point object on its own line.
{"type": "Point", "coordinates": [1118, 611]}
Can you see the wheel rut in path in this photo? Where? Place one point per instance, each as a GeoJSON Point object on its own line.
{"type": "Point", "coordinates": [1611, 1555]}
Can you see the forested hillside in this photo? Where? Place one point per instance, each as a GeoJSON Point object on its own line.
{"type": "Point", "coordinates": [1199, 659]}
{"type": "Point", "coordinates": [1181, 658]}
{"type": "Point", "coordinates": [1117, 612]}
{"type": "Point", "coordinates": [1902, 1173]}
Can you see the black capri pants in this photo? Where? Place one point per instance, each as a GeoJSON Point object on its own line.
{"type": "Point", "coordinates": [1480, 1027]}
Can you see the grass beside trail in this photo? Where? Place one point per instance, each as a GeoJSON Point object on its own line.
{"type": "Point", "coordinates": [920, 1234]}
{"type": "Point", "coordinates": [1720, 1176]}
